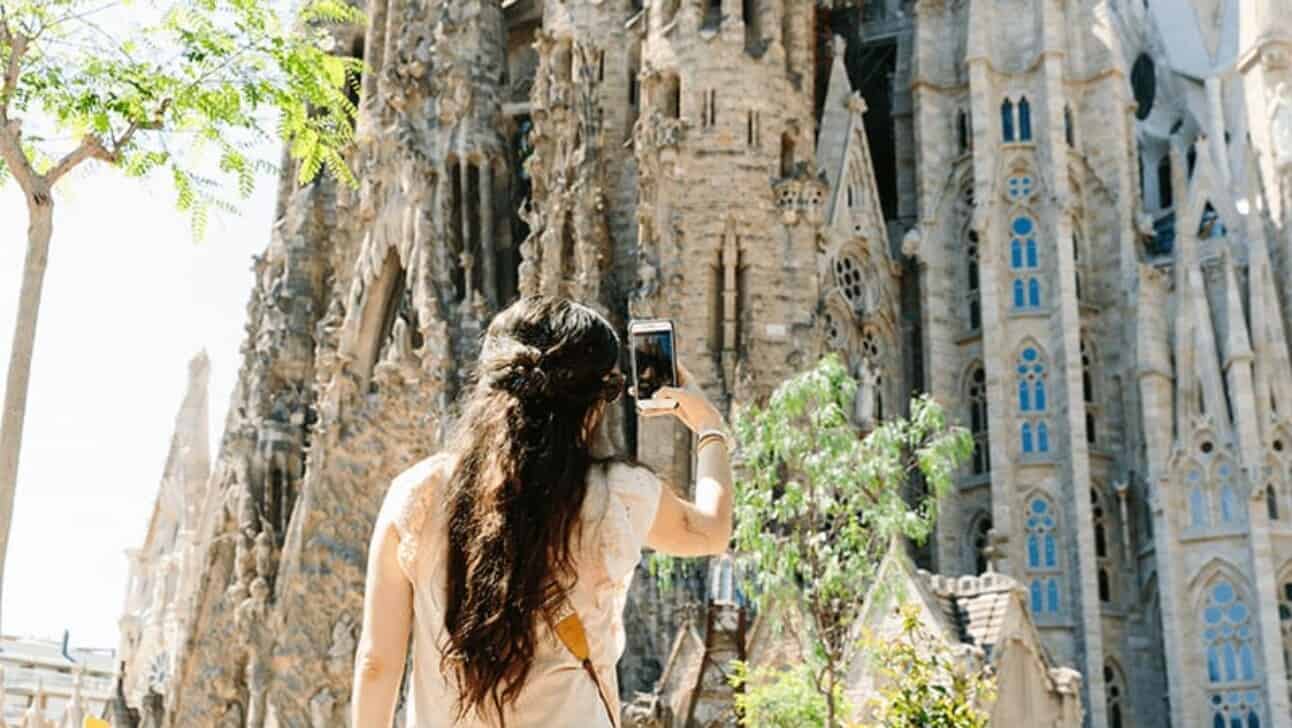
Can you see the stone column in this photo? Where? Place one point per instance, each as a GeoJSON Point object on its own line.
{"type": "Point", "coordinates": [488, 264]}
{"type": "Point", "coordinates": [464, 188]}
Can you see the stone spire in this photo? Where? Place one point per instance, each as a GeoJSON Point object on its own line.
{"type": "Point", "coordinates": [188, 463]}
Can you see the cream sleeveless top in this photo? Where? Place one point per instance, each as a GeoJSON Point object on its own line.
{"type": "Point", "coordinates": [617, 513]}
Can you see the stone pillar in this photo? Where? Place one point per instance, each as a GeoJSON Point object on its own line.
{"type": "Point", "coordinates": [464, 176]}
{"type": "Point", "coordinates": [488, 262]}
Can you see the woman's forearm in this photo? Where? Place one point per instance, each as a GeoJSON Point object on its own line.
{"type": "Point", "coordinates": [713, 491]}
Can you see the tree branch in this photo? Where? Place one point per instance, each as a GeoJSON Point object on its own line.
{"type": "Point", "coordinates": [91, 147]}
{"type": "Point", "coordinates": [17, 45]}
{"type": "Point", "coordinates": [16, 160]}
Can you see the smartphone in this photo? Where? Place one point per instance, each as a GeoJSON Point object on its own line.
{"type": "Point", "coordinates": [654, 361]}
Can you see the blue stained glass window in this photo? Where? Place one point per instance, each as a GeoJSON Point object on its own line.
{"type": "Point", "coordinates": [1024, 398]}
{"type": "Point", "coordinates": [1020, 300]}
{"type": "Point", "coordinates": [1031, 252]}
{"type": "Point", "coordinates": [1024, 120]}
{"type": "Point", "coordinates": [1197, 507]}
{"type": "Point", "coordinates": [1007, 120]}
{"type": "Point", "coordinates": [1039, 506]}
{"type": "Point", "coordinates": [1022, 226]}
{"type": "Point", "coordinates": [1035, 590]}
{"type": "Point", "coordinates": [1052, 594]}
{"type": "Point", "coordinates": [1246, 663]}
{"type": "Point", "coordinates": [1033, 293]}
{"type": "Point", "coordinates": [1040, 394]}
{"type": "Point", "coordinates": [1228, 508]}
{"type": "Point", "coordinates": [1015, 253]}
{"type": "Point", "coordinates": [1051, 557]}
{"type": "Point", "coordinates": [1033, 551]}
{"type": "Point", "coordinates": [1027, 437]}
{"type": "Point", "coordinates": [1252, 720]}
{"type": "Point", "coordinates": [1042, 438]}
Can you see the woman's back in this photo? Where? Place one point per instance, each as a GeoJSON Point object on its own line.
{"type": "Point", "coordinates": [617, 513]}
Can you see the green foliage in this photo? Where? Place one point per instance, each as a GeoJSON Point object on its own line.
{"type": "Point", "coordinates": [768, 697]}
{"type": "Point", "coordinates": [188, 95]}
{"type": "Point", "coordinates": [923, 685]}
{"type": "Point", "coordinates": [817, 506]}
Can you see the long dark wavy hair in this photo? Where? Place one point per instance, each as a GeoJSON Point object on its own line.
{"type": "Point", "coordinates": [517, 489]}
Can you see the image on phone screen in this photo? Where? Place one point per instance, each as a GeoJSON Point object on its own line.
{"type": "Point", "coordinates": [653, 362]}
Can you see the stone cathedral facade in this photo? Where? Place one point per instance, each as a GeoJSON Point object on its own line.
{"type": "Point", "coordinates": [1068, 220]}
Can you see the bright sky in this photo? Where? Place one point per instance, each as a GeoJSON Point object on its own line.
{"type": "Point", "coordinates": [129, 298]}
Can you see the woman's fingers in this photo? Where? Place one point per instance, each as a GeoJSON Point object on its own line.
{"type": "Point", "coordinates": [683, 375]}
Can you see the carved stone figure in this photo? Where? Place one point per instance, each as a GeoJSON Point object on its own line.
{"type": "Point", "coordinates": [867, 391]}
{"type": "Point", "coordinates": [340, 652]}
{"type": "Point", "coordinates": [264, 553]}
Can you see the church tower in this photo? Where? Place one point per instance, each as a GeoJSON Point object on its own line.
{"type": "Point", "coordinates": [1026, 204]}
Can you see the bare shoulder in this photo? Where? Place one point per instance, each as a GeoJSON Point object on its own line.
{"type": "Point", "coordinates": [415, 483]}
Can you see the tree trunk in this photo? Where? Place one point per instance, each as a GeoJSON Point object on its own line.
{"type": "Point", "coordinates": [830, 718]}
{"type": "Point", "coordinates": [40, 226]}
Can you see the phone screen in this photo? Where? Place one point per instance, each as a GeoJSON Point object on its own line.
{"type": "Point", "coordinates": [653, 361]}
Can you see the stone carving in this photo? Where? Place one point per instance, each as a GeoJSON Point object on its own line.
{"type": "Point", "coordinates": [232, 716]}
{"type": "Point", "coordinates": [264, 554]}
{"type": "Point", "coordinates": [868, 377]}
{"type": "Point", "coordinates": [322, 709]}
{"type": "Point", "coordinates": [340, 653]}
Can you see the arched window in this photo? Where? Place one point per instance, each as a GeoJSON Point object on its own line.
{"type": "Point", "coordinates": [1042, 551]}
{"type": "Point", "coordinates": [1114, 690]}
{"type": "Point", "coordinates": [962, 130]}
{"type": "Point", "coordinates": [1165, 196]}
{"type": "Point", "coordinates": [1229, 643]}
{"type": "Point", "coordinates": [1231, 509]}
{"type": "Point", "coordinates": [1024, 120]}
{"type": "Point", "coordinates": [1032, 400]}
{"type": "Point", "coordinates": [1007, 120]}
{"type": "Point", "coordinates": [1101, 525]}
{"type": "Point", "coordinates": [1031, 380]}
{"type": "Point", "coordinates": [1069, 134]}
{"type": "Point", "coordinates": [979, 537]}
{"type": "Point", "coordinates": [1088, 391]}
{"type": "Point", "coordinates": [1024, 259]}
{"type": "Point", "coordinates": [1077, 273]}
{"type": "Point", "coordinates": [787, 155]}
{"type": "Point", "coordinates": [1043, 556]}
{"type": "Point", "coordinates": [974, 287]}
{"type": "Point", "coordinates": [977, 391]}
{"type": "Point", "coordinates": [1199, 507]}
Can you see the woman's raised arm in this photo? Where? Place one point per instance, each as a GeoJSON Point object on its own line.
{"type": "Point", "coordinates": [702, 527]}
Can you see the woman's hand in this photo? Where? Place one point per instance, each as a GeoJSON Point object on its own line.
{"type": "Point", "coordinates": [693, 408]}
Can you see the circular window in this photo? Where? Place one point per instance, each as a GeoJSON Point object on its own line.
{"type": "Point", "coordinates": [1144, 84]}
{"type": "Point", "coordinates": [847, 275]}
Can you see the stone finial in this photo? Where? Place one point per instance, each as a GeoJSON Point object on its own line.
{"type": "Point", "coordinates": [839, 46]}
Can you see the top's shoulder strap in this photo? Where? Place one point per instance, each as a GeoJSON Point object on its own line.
{"type": "Point", "coordinates": [575, 638]}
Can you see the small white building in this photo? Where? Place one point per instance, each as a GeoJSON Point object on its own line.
{"type": "Point", "coordinates": [63, 683]}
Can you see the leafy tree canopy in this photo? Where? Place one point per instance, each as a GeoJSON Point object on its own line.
{"type": "Point", "coordinates": [84, 79]}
